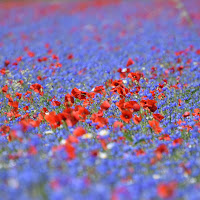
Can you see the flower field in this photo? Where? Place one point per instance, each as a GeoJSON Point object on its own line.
{"type": "Point", "coordinates": [100, 100]}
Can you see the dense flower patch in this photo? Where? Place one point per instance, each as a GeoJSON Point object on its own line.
{"type": "Point", "coordinates": [100, 100]}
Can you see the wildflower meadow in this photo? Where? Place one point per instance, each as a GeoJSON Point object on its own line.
{"type": "Point", "coordinates": [100, 100]}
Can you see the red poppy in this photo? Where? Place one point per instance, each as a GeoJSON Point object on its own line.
{"type": "Point", "coordinates": [14, 104]}
{"type": "Point", "coordinates": [14, 135]}
{"type": "Point", "coordinates": [196, 112]}
{"type": "Point", "coordinates": [79, 94]}
{"type": "Point", "coordinates": [198, 52]}
{"type": "Point", "coordinates": [55, 57]}
{"type": "Point", "coordinates": [25, 108]}
{"type": "Point", "coordinates": [19, 59]}
{"type": "Point", "coordinates": [13, 156]}
{"type": "Point", "coordinates": [3, 71]}
{"type": "Point", "coordinates": [186, 114]}
{"type": "Point", "coordinates": [129, 62]}
{"type": "Point", "coordinates": [87, 102]}
{"type": "Point", "coordinates": [34, 123]}
{"type": "Point", "coordinates": [124, 72]}
{"type": "Point", "coordinates": [135, 76]}
{"type": "Point", "coordinates": [101, 122]}
{"type": "Point", "coordinates": [121, 104]}
{"type": "Point", "coordinates": [91, 95]}
{"type": "Point", "coordinates": [172, 69]}
{"type": "Point", "coordinates": [180, 122]}
{"type": "Point", "coordinates": [177, 141]}
{"type": "Point", "coordinates": [19, 95]}
{"type": "Point", "coordinates": [137, 119]}
{"type": "Point", "coordinates": [44, 110]}
{"type": "Point", "coordinates": [180, 69]}
{"type": "Point", "coordinates": [99, 89]}
{"type": "Point", "coordinates": [5, 129]}
{"type": "Point", "coordinates": [13, 114]}
{"type": "Point", "coordinates": [15, 63]}
{"type": "Point", "coordinates": [4, 89]}
{"type": "Point", "coordinates": [103, 144]}
{"type": "Point", "coordinates": [165, 137]}
{"type": "Point", "coordinates": [70, 151]}
{"type": "Point", "coordinates": [55, 103]}
{"type": "Point", "coordinates": [166, 190]}
{"type": "Point", "coordinates": [155, 126]}
{"type": "Point", "coordinates": [105, 105]}
{"type": "Point", "coordinates": [126, 116]}
{"type": "Point", "coordinates": [94, 153]}
{"type": "Point", "coordinates": [10, 99]}
{"type": "Point", "coordinates": [150, 104]}
{"type": "Point", "coordinates": [122, 91]}
{"type": "Point", "coordinates": [161, 96]}
{"type": "Point", "coordinates": [95, 116]}
{"type": "Point", "coordinates": [82, 113]}
{"type": "Point", "coordinates": [70, 116]}
{"type": "Point", "coordinates": [41, 78]}
{"type": "Point", "coordinates": [70, 56]}
{"type": "Point", "coordinates": [118, 124]}
{"type": "Point", "coordinates": [69, 100]}
{"type": "Point", "coordinates": [162, 148]}
{"type": "Point", "coordinates": [21, 82]}
{"type": "Point", "coordinates": [140, 152]}
{"type": "Point", "coordinates": [82, 71]}
{"type": "Point", "coordinates": [42, 59]}
{"type": "Point", "coordinates": [6, 63]}
{"type": "Point", "coordinates": [53, 119]}
{"type": "Point", "coordinates": [116, 83]}
{"type": "Point", "coordinates": [158, 116]}
{"type": "Point", "coordinates": [31, 54]}
{"type": "Point", "coordinates": [57, 65]}
{"type": "Point", "coordinates": [32, 150]}
{"type": "Point", "coordinates": [79, 131]}
{"type": "Point", "coordinates": [132, 106]}
{"type": "Point", "coordinates": [153, 93]}
{"type": "Point", "coordinates": [72, 139]}
{"type": "Point", "coordinates": [37, 88]}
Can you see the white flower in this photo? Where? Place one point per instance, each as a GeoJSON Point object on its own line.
{"type": "Point", "coordinates": [124, 81]}
{"type": "Point", "coordinates": [124, 70]}
{"type": "Point", "coordinates": [87, 136]}
{"type": "Point", "coordinates": [156, 176]}
{"type": "Point", "coordinates": [63, 141]}
{"type": "Point", "coordinates": [48, 132]}
{"type": "Point", "coordinates": [102, 155]}
{"type": "Point", "coordinates": [103, 132]}
{"type": "Point", "coordinates": [110, 145]}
